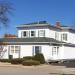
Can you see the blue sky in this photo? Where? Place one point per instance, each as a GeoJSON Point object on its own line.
{"type": "Point", "coordinates": [27, 11]}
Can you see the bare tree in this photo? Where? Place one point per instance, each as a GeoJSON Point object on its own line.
{"type": "Point", "coordinates": [5, 10]}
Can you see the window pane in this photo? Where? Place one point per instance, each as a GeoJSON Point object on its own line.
{"type": "Point", "coordinates": [37, 49]}
{"type": "Point", "coordinates": [17, 49]}
{"type": "Point", "coordinates": [64, 36]}
{"type": "Point", "coordinates": [56, 35]}
{"type": "Point", "coordinates": [54, 51]}
{"type": "Point", "coordinates": [32, 33]}
{"type": "Point", "coordinates": [24, 33]}
{"type": "Point", "coordinates": [57, 50]}
{"type": "Point", "coordinates": [12, 49]}
{"type": "Point", "coordinates": [42, 33]}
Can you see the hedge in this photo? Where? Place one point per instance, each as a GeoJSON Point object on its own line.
{"type": "Point", "coordinates": [39, 57]}
{"type": "Point", "coordinates": [4, 60]}
{"type": "Point", "coordinates": [30, 62]}
{"type": "Point", "coordinates": [17, 61]}
{"type": "Point", "coordinates": [28, 58]}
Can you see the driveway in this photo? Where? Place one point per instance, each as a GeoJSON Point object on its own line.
{"type": "Point", "coordinates": [8, 69]}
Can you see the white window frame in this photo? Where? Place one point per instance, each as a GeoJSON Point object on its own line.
{"type": "Point", "coordinates": [17, 50]}
{"type": "Point", "coordinates": [34, 51]}
{"type": "Point", "coordinates": [56, 35]}
{"type": "Point", "coordinates": [55, 50]}
{"type": "Point", "coordinates": [23, 34]}
{"type": "Point", "coordinates": [64, 36]}
{"type": "Point", "coordinates": [33, 33]}
{"type": "Point", "coordinates": [41, 33]}
{"type": "Point", "coordinates": [13, 49]}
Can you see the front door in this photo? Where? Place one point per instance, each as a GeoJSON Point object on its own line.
{"type": "Point", "coordinates": [37, 49]}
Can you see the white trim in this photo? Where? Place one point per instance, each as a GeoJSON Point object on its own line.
{"type": "Point", "coordinates": [32, 25]}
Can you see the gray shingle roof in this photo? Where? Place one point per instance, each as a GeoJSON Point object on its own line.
{"type": "Point", "coordinates": [36, 26]}
{"type": "Point", "coordinates": [33, 41]}
{"type": "Point", "coordinates": [69, 44]}
{"type": "Point", "coordinates": [29, 40]}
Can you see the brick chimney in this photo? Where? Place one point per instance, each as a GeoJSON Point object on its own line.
{"type": "Point", "coordinates": [58, 24]}
{"type": "Point", "coordinates": [9, 36]}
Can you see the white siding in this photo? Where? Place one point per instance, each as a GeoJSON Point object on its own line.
{"type": "Point", "coordinates": [65, 52]}
{"type": "Point", "coordinates": [60, 54]}
{"type": "Point", "coordinates": [48, 33]}
{"type": "Point", "coordinates": [60, 36]}
{"type": "Point", "coordinates": [26, 50]}
{"type": "Point", "coordinates": [69, 52]}
{"type": "Point", "coordinates": [71, 38]}
{"type": "Point", "coordinates": [46, 50]}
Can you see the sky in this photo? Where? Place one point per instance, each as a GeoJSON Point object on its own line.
{"type": "Point", "coordinates": [27, 11]}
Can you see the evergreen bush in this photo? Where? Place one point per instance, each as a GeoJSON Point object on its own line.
{"type": "Point", "coordinates": [30, 62]}
{"type": "Point", "coordinates": [39, 57]}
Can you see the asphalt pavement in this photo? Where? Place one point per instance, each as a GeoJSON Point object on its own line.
{"type": "Point", "coordinates": [8, 69]}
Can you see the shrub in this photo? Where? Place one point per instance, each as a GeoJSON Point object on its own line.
{"type": "Point", "coordinates": [4, 60]}
{"type": "Point", "coordinates": [28, 58]}
{"type": "Point", "coordinates": [17, 61]}
{"type": "Point", "coordinates": [39, 57]}
{"type": "Point", "coordinates": [30, 62]}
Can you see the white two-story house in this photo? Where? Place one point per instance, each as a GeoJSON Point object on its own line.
{"type": "Point", "coordinates": [54, 42]}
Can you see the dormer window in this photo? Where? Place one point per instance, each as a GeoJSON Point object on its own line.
{"type": "Point", "coordinates": [41, 33]}
{"type": "Point", "coordinates": [64, 36]}
{"type": "Point", "coordinates": [25, 34]}
{"type": "Point", "coordinates": [32, 33]}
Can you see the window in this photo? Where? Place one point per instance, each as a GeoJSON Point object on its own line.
{"type": "Point", "coordinates": [56, 35]}
{"type": "Point", "coordinates": [17, 49]}
{"type": "Point", "coordinates": [64, 36]}
{"type": "Point", "coordinates": [25, 34]}
{"type": "Point", "coordinates": [42, 33]}
{"type": "Point", "coordinates": [32, 33]}
{"type": "Point", "coordinates": [14, 49]}
{"type": "Point", "coordinates": [37, 49]}
{"type": "Point", "coordinates": [55, 51]}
